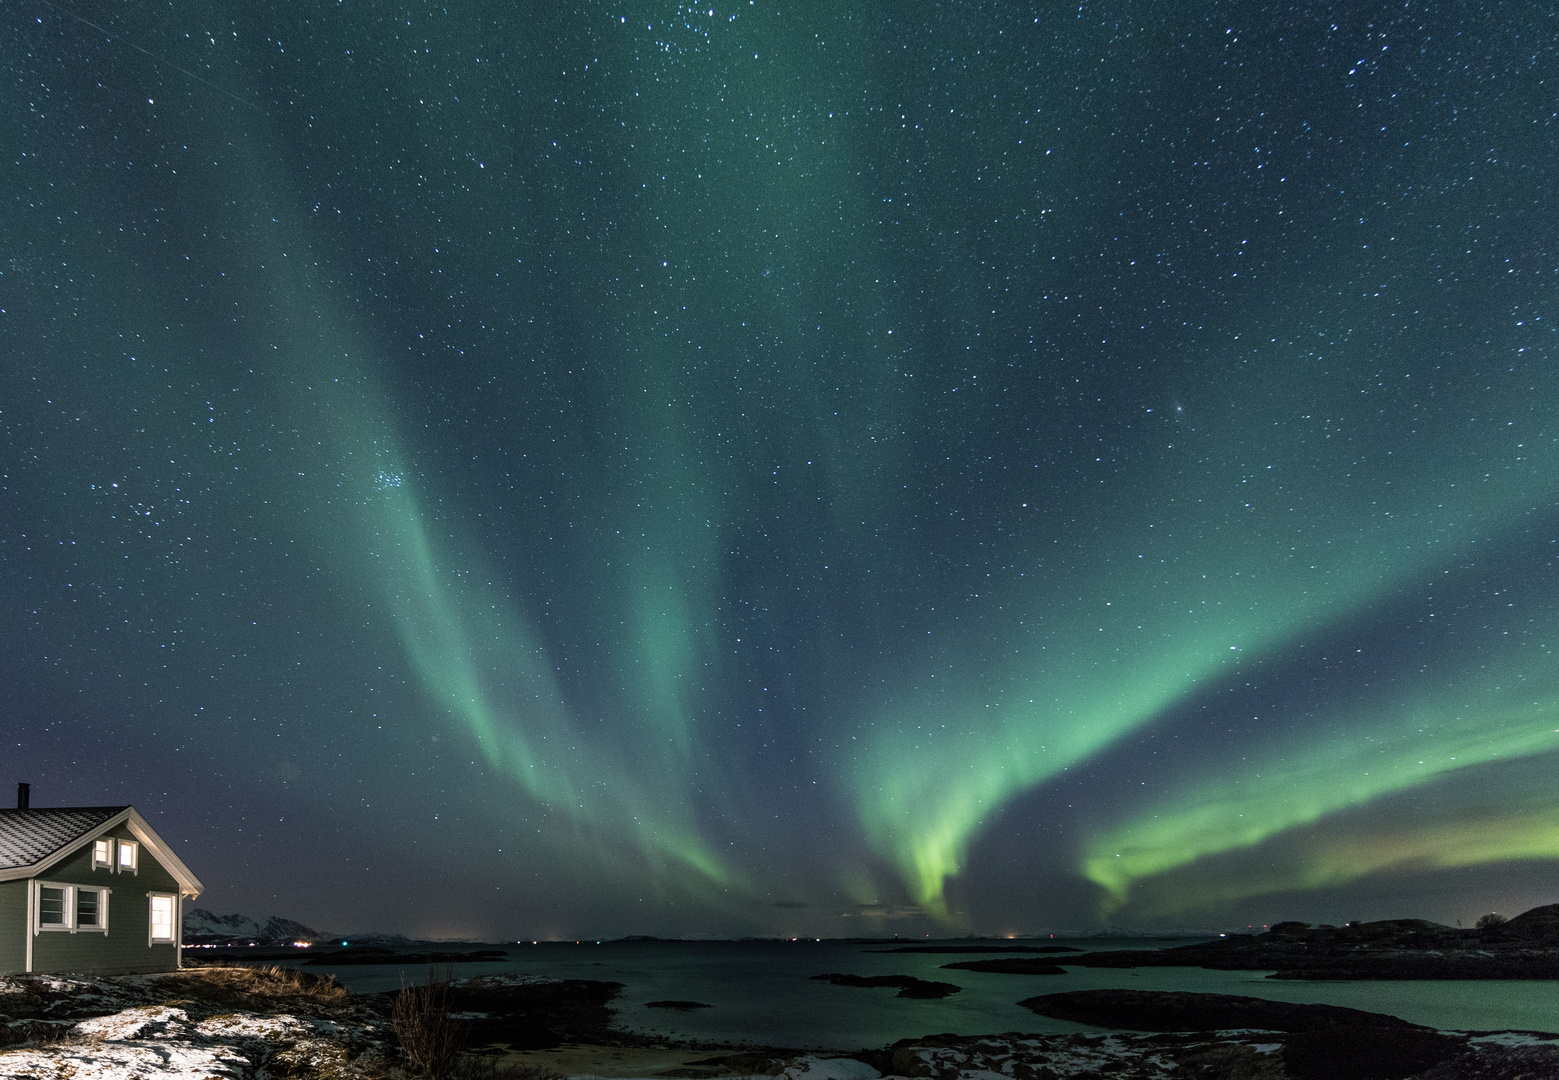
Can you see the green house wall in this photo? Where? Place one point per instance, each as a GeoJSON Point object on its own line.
{"type": "Point", "coordinates": [13, 925]}
{"type": "Point", "coordinates": [124, 949]}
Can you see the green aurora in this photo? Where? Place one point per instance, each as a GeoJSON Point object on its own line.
{"type": "Point", "coordinates": [743, 469]}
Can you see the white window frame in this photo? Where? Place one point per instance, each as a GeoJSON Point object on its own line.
{"type": "Point", "coordinates": [106, 846]}
{"type": "Point", "coordinates": [101, 926]}
{"type": "Point", "coordinates": [133, 849]}
{"type": "Point", "coordinates": [71, 913]}
{"type": "Point", "coordinates": [173, 919]}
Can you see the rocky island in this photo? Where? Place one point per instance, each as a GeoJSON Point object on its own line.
{"type": "Point", "coordinates": [909, 986]}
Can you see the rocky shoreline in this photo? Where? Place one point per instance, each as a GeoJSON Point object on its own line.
{"type": "Point", "coordinates": [243, 1023]}
{"type": "Point", "coordinates": [256, 1022]}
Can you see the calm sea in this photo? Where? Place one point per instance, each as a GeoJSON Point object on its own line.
{"type": "Point", "coordinates": [761, 991]}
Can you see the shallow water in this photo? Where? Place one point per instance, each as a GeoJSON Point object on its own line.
{"type": "Point", "coordinates": [762, 993]}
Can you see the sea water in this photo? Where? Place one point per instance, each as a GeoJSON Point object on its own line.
{"type": "Point", "coordinates": [762, 993]}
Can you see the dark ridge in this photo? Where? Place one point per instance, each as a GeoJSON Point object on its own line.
{"type": "Point", "coordinates": [1526, 947]}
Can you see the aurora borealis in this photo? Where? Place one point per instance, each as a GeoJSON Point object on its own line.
{"type": "Point", "coordinates": [789, 468]}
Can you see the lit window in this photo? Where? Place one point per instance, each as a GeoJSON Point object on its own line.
{"type": "Point", "coordinates": [102, 854]}
{"type": "Point", "coordinates": [127, 850]}
{"type": "Point", "coordinates": [51, 905]}
{"type": "Point", "coordinates": [162, 918]}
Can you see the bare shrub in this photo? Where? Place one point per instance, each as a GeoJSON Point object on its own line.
{"type": "Point", "coordinates": [1491, 920]}
{"type": "Point", "coordinates": [429, 1035]}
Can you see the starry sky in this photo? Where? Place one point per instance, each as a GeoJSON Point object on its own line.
{"type": "Point", "coordinates": [781, 467]}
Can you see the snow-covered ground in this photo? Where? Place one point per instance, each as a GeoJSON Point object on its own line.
{"type": "Point", "coordinates": [177, 1025]}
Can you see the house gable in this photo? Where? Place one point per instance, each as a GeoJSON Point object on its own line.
{"type": "Point", "coordinates": [32, 848]}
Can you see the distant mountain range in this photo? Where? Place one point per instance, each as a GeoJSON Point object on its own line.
{"type": "Point", "coordinates": [203, 927]}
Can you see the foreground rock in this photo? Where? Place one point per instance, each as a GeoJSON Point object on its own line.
{"type": "Point", "coordinates": [214, 1022]}
{"type": "Point", "coordinates": [1341, 1054]}
{"type": "Point", "coordinates": [1526, 947]}
{"type": "Point", "coordinates": [251, 1023]}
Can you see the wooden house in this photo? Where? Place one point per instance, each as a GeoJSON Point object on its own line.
{"type": "Point", "coordinates": [88, 889]}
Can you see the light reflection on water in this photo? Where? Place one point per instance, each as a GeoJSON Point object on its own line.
{"type": "Point", "coordinates": [762, 992]}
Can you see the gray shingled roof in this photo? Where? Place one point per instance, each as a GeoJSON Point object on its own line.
{"type": "Point", "coordinates": [26, 836]}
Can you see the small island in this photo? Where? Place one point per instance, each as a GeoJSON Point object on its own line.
{"type": "Point", "coordinates": [909, 986]}
{"type": "Point", "coordinates": [679, 1006]}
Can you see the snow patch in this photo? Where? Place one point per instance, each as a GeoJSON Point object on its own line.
{"type": "Point", "coordinates": [128, 1061]}
{"type": "Point", "coordinates": [816, 1068]}
{"type": "Point", "coordinates": [148, 1022]}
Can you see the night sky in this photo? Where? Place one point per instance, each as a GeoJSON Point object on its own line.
{"type": "Point", "coordinates": [779, 467]}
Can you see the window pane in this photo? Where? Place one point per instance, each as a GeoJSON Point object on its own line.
{"type": "Point", "coordinates": [86, 907]}
{"type": "Point", "coordinates": [51, 906]}
{"type": "Point", "coordinates": [100, 853]}
{"type": "Point", "coordinates": [162, 918]}
{"type": "Point", "coordinates": [126, 855]}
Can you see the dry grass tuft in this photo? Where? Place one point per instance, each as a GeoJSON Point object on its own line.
{"type": "Point", "coordinates": [260, 987]}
